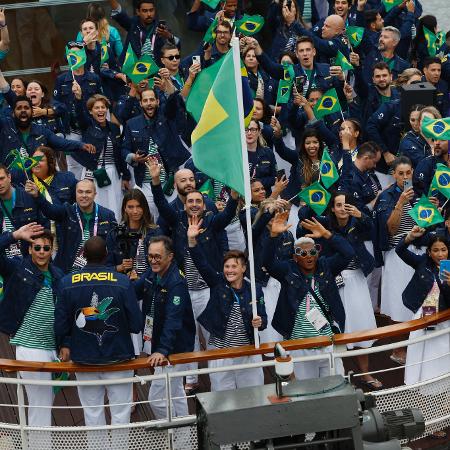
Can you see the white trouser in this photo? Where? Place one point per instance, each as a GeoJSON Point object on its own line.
{"type": "Point", "coordinates": [73, 166]}
{"type": "Point", "coordinates": [373, 279]}
{"type": "Point", "coordinates": [314, 369]}
{"type": "Point", "coordinates": [384, 179]}
{"type": "Point", "coordinates": [199, 300]}
{"type": "Point", "coordinates": [235, 235]}
{"type": "Point", "coordinates": [38, 396]}
{"type": "Point", "coordinates": [235, 379]}
{"type": "Point", "coordinates": [92, 400]}
{"type": "Point", "coordinates": [271, 293]}
{"type": "Point", "coordinates": [157, 393]}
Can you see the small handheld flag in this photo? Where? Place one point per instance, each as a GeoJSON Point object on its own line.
{"type": "Point", "coordinates": [328, 104]}
{"type": "Point", "coordinates": [438, 129]}
{"type": "Point", "coordinates": [143, 68]}
{"type": "Point", "coordinates": [316, 197]}
{"type": "Point", "coordinates": [210, 35]}
{"type": "Point", "coordinates": [285, 84]}
{"type": "Point", "coordinates": [431, 39]}
{"type": "Point", "coordinates": [328, 172]}
{"type": "Point", "coordinates": [425, 214]}
{"type": "Point", "coordinates": [342, 61]}
{"type": "Point", "coordinates": [207, 189]}
{"type": "Point", "coordinates": [249, 25]}
{"type": "Point", "coordinates": [130, 60]}
{"type": "Point", "coordinates": [441, 181]}
{"type": "Point", "coordinates": [76, 57]}
{"type": "Point", "coordinates": [104, 52]}
{"type": "Point", "coordinates": [355, 35]}
{"type": "Point", "coordinates": [389, 4]}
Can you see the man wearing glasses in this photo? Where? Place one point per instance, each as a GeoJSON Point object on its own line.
{"type": "Point", "coordinates": [309, 304]}
{"type": "Point", "coordinates": [27, 312]}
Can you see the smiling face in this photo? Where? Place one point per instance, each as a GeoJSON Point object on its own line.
{"type": "Point", "coordinates": [41, 168]}
{"type": "Point", "coordinates": [159, 258]}
{"type": "Point", "coordinates": [149, 103]}
{"type": "Point", "coordinates": [312, 147]}
{"type": "Point", "coordinates": [341, 7]}
{"type": "Point", "coordinates": [171, 59]}
{"type": "Point", "coordinates": [35, 93]}
{"type": "Point", "coordinates": [223, 35]}
{"type": "Point", "coordinates": [18, 87]}
{"type": "Point", "coordinates": [195, 204]}
{"type": "Point", "coordinates": [387, 41]}
{"type": "Point", "coordinates": [184, 181]}
{"type": "Point", "coordinates": [258, 192]}
{"type": "Point", "coordinates": [250, 60]}
{"type": "Point", "coordinates": [99, 111]}
{"type": "Point", "coordinates": [234, 270]}
{"type": "Point", "coordinates": [258, 110]}
{"type": "Point", "coordinates": [85, 194]}
{"type": "Point", "coordinates": [252, 133]}
{"type": "Point", "coordinates": [41, 252]}
{"type": "Point", "coordinates": [438, 252]}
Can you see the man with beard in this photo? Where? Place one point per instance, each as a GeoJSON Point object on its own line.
{"type": "Point", "coordinates": [200, 20]}
{"type": "Point", "coordinates": [387, 43]}
{"type": "Point", "coordinates": [19, 132]}
{"type": "Point", "coordinates": [155, 133]}
{"type": "Point", "coordinates": [378, 92]}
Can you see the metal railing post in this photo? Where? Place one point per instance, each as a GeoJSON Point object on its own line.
{"type": "Point", "coordinates": [22, 414]}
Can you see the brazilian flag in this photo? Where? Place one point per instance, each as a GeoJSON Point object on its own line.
{"type": "Point", "coordinates": [211, 3]}
{"type": "Point", "coordinates": [247, 96]}
{"type": "Point", "coordinates": [441, 181]}
{"type": "Point", "coordinates": [389, 4]}
{"type": "Point", "coordinates": [144, 68]}
{"type": "Point", "coordinates": [431, 39]}
{"type": "Point", "coordinates": [285, 85]}
{"type": "Point", "coordinates": [104, 52]}
{"type": "Point", "coordinates": [438, 129]}
{"type": "Point", "coordinates": [425, 214]}
{"type": "Point", "coordinates": [342, 61]}
{"type": "Point", "coordinates": [249, 25]}
{"type": "Point", "coordinates": [328, 172]}
{"type": "Point", "coordinates": [316, 197]}
{"type": "Point", "coordinates": [440, 39]}
{"type": "Point", "coordinates": [22, 163]}
{"type": "Point", "coordinates": [207, 189]}
{"type": "Point", "coordinates": [129, 61]}
{"type": "Point", "coordinates": [210, 35]}
{"type": "Point", "coordinates": [328, 104]}
{"type": "Point", "coordinates": [355, 35]}
{"type": "Point", "coordinates": [76, 57]}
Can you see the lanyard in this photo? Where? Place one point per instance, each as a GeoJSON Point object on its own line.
{"type": "Point", "coordinates": [5, 210]}
{"type": "Point", "coordinates": [236, 297]}
{"type": "Point", "coordinates": [81, 223]}
{"type": "Point", "coordinates": [308, 296]}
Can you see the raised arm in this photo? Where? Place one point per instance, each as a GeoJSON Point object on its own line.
{"type": "Point", "coordinates": [402, 251]}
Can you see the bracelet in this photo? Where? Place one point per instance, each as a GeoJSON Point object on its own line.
{"type": "Point", "coordinates": [188, 84]}
{"type": "Point", "coordinates": [47, 112]}
{"type": "Point", "coordinates": [3, 26]}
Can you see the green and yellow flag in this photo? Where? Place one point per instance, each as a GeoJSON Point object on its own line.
{"type": "Point", "coordinates": [249, 25]}
{"type": "Point", "coordinates": [104, 52]}
{"type": "Point", "coordinates": [438, 129]}
{"type": "Point", "coordinates": [355, 35]}
{"type": "Point", "coordinates": [328, 171]}
{"type": "Point", "coordinates": [440, 182]}
{"type": "Point", "coordinates": [440, 39]}
{"type": "Point", "coordinates": [216, 140]}
{"type": "Point", "coordinates": [130, 60]}
{"type": "Point", "coordinates": [76, 57]}
{"type": "Point", "coordinates": [143, 68]}
{"type": "Point", "coordinates": [207, 189]}
{"type": "Point", "coordinates": [211, 3]}
{"type": "Point", "coordinates": [210, 35]}
{"type": "Point", "coordinates": [328, 104]}
{"type": "Point", "coordinates": [316, 197]}
{"type": "Point", "coordinates": [389, 4]}
{"type": "Point", "coordinates": [425, 214]}
{"type": "Point", "coordinates": [431, 39]}
{"type": "Point", "coordinates": [22, 162]}
{"type": "Point", "coordinates": [342, 61]}
{"type": "Point", "coordinates": [285, 84]}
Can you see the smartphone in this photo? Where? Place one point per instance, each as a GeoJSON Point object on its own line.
{"type": "Point", "coordinates": [162, 24]}
{"type": "Point", "coordinates": [206, 46]}
{"type": "Point", "coordinates": [443, 265]}
{"type": "Point", "coordinates": [299, 83]}
{"type": "Point", "coordinates": [280, 174]}
{"type": "Point", "coordinates": [196, 59]}
{"type": "Point", "coordinates": [407, 184]}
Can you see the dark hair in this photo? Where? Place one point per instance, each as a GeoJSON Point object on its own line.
{"type": "Point", "coordinates": [136, 194]}
{"type": "Point", "coordinates": [95, 12]}
{"type": "Point", "coordinates": [291, 55]}
{"type": "Point", "coordinates": [266, 110]}
{"type": "Point", "coordinates": [401, 160]}
{"type": "Point", "coordinates": [224, 23]}
{"type": "Point", "coordinates": [97, 98]}
{"type": "Point", "coordinates": [22, 98]}
{"type": "Point", "coordinates": [381, 65]}
{"type": "Point", "coordinates": [369, 149]}
{"type": "Point", "coordinates": [314, 89]}
{"type": "Point", "coordinates": [196, 192]}
{"type": "Point", "coordinates": [427, 21]}
{"type": "Point", "coordinates": [431, 60]}
{"type": "Point", "coordinates": [437, 238]}
{"type": "Point", "coordinates": [45, 100]}
{"type": "Point", "coordinates": [168, 46]}
{"type": "Point", "coordinates": [235, 254]}
{"type": "Point", "coordinates": [138, 3]}
{"type": "Point", "coordinates": [46, 235]}
{"type": "Point", "coordinates": [3, 167]}
{"type": "Point", "coordinates": [370, 16]}
{"type": "Point", "coordinates": [94, 250]}
{"type": "Point", "coordinates": [415, 108]}
{"type": "Point", "coordinates": [307, 171]}
{"type": "Point", "coordinates": [357, 126]}
{"type": "Point", "coordinates": [24, 82]}
{"type": "Point", "coordinates": [89, 19]}
{"type": "Point", "coordinates": [348, 199]}
{"type": "Point", "coordinates": [167, 242]}
{"type": "Point", "coordinates": [303, 39]}
{"type": "Point", "coordinates": [51, 160]}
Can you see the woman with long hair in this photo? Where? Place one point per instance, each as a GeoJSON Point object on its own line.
{"type": "Point", "coordinates": [263, 114]}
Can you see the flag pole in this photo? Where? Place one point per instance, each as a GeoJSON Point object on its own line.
{"type": "Point", "coordinates": [248, 196]}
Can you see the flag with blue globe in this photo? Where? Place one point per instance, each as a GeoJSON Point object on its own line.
{"type": "Point", "coordinates": [440, 182]}
{"type": "Point", "coordinates": [328, 171]}
{"type": "Point", "coordinates": [438, 129]}
{"type": "Point", "coordinates": [316, 197]}
{"type": "Point", "coordinates": [328, 104]}
{"type": "Point", "coordinates": [425, 214]}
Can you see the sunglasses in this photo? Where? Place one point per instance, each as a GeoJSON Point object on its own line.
{"type": "Point", "coordinates": [38, 248]}
{"type": "Point", "coordinates": [311, 252]}
{"type": "Point", "coordinates": [172, 57]}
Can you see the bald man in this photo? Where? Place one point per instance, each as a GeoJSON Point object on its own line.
{"type": "Point", "coordinates": [332, 39]}
{"type": "Point", "coordinates": [76, 223]}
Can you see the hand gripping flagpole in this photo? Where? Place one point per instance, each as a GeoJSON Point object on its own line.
{"type": "Point", "coordinates": [248, 197]}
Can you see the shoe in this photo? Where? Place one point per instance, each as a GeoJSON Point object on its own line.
{"type": "Point", "coordinates": [438, 435]}
{"type": "Point", "coordinates": [374, 384]}
{"type": "Point", "coordinates": [398, 359]}
{"type": "Point", "coordinates": [191, 389]}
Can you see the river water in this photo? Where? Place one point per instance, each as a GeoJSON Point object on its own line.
{"type": "Point", "coordinates": [440, 9]}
